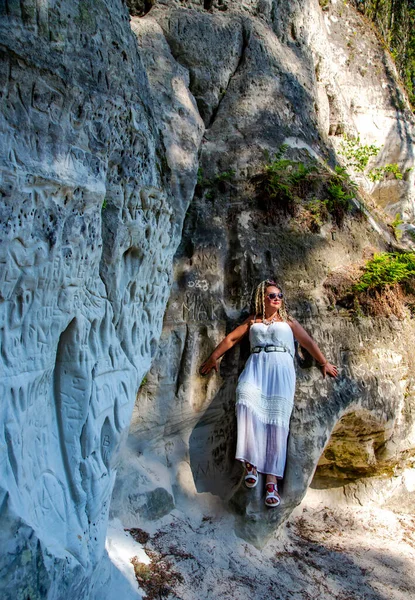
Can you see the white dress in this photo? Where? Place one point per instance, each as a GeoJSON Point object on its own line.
{"type": "Point", "coordinates": [265, 399]}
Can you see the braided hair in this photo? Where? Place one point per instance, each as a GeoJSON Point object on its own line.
{"type": "Point", "coordinates": [259, 300]}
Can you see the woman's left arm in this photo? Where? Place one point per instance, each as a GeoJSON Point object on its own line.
{"type": "Point", "coordinates": [309, 344]}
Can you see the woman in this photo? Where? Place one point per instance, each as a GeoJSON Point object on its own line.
{"type": "Point", "coordinates": [265, 391]}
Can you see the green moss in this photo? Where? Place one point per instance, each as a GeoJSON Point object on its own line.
{"type": "Point", "coordinates": [395, 226]}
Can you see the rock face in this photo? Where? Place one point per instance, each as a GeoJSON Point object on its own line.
{"type": "Point", "coordinates": [93, 199]}
{"type": "Point", "coordinates": [101, 141]}
{"type": "Point", "coordinates": [284, 76]}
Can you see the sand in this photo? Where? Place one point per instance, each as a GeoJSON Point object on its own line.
{"type": "Point", "coordinates": [344, 553]}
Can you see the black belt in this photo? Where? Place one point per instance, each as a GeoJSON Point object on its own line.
{"type": "Point", "coordinates": [258, 349]}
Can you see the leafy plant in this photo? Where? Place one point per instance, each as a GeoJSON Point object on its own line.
{"type": "Point", "coordinates": [393, 168]}
{"type": "Point", "coordinates": [342, 172]}
{"type": "Point", "coordinates": [394, 24]}
{"type": "Point", "coordinates": [277, 155]}
{"type": "Point", "coordinates": [104, 204]}
{"type": "Point", "coordinates": [224, 176]}
{"type": "Point", "coordinates": [342, 177]}
{"type": "Point", "coordinates": [284, 179]}
{"type": "Point", "coordinates": [339, 201]}
{"type": "Point", "coordinates": [305, 188]}
{"type": "Point", "coordinates": [384, 287]}
{"type": "Point", "coordinates": [387, 268]}
{"type": "Point", "coordinates": [356, 153]}
{"type": "Point", "coordinates": [317, 210]}
{"type": "Point", "coordinates": [341, 191]}
{"type": "Point", "coordinates": [217, 181]}
{"type": "Point", "coordinates": [379, 173]}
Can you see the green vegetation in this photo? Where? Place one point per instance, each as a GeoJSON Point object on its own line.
{"type": "Point", "coordinates": [395, 226]}
{"type": "Point", "coordinates": [357, 157]}
{"type": "Point", "coordinates": [395, 21]}
{"type": "Point", "coordinates": [317, 210]}
{"type": "Point", "coordinates": [341, 192]}
{"type": "Point", "coordinates": [386, 269]}
{"type": "Point", "coordinates": [339, 198]}
{"type": "Point", "coordinates": [379, 173]}
{"type": "Point", "coordinates": [286, 178]}
{"type": "Point", "coordinates": [307, 190]}
{"type": "Point", "coordinates": [224, 176]}
{"type": "Point", "coordinates": [216, 183]}
{"type": "Point", "coordinates": [357, 154]}
{"type": "Point", "coordinates": [384, 287]}
{"type": "Point", "coordinates": [104, 204]}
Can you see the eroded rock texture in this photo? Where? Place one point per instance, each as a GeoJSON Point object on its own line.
{"type": "Point", "coordinates": [101, 140]}
{"type": "Point", "coordinates": [93, 198]}
{"type": "Point", "coordinates": [283, 75]}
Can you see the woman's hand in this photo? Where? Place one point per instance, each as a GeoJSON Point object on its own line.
{"type": "Point", "coordinates": [329, 369]}
{"type": "Point", "coordinates": [208, 365]}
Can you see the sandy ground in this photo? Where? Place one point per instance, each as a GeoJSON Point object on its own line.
{"type": "Point", "coordinates": [347, 553]}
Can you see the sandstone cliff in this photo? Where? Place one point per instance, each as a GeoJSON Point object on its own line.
{"type": "Point", "coordinates": [105, 123]}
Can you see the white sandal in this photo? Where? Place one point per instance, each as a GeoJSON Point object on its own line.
{"type": "Point", "coordinates": [250, 474]}
{"type": "Point", "coordinates": [272, 494]}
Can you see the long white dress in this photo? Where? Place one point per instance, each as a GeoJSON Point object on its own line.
{"type": "Point", "coordinates": [265, 399]}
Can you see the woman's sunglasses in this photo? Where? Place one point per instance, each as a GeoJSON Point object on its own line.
{"type": "Point", "coordinates": [274, 295]}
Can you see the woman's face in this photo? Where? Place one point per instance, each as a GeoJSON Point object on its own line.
{"type": "Point", "coordinates": [273, 302]}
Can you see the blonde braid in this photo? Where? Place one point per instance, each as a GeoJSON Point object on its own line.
{"type": "Point", "coordinates": [283, 311]}
{"type": "Point", "coordinates": [263, 299]}
{"type": "Point", "coordinates": [257, 307]}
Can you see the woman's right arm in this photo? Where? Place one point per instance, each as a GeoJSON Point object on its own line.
{"type": "Point", "coordinates": [228, 342]}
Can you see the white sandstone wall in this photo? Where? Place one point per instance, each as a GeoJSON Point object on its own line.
{"type": "Point", "coordinates": [94, 190]}
{"type": "Point", "coordinates": [101, 140]}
